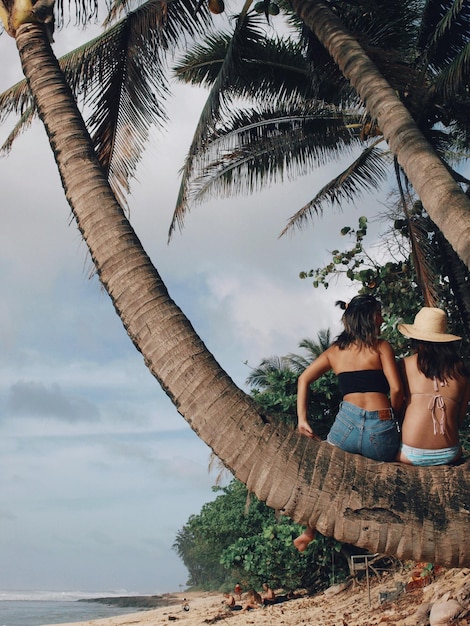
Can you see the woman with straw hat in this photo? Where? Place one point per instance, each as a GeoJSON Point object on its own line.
{"type": "Point", "coordinates": [437, 390]}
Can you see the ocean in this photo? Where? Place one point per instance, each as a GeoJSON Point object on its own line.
{"type": "Point", "coordinates": [36, 608]}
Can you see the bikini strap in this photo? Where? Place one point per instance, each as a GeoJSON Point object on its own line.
{"type": "Point", "coordinates": [439, 424]}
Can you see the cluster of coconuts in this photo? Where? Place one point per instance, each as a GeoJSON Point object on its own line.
{"type": "Point", "coordinates": [218, 6]}
{"type": "Point", "coordinates": [273, 9]}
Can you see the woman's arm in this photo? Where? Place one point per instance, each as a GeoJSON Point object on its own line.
{"type": "Point", "coordinates": [406, 391]}
{"type": "Point", "coordinates": [392, 375]}
{"type": "Point", "coordinates": [317, 368]}
{"type": "Point", "coordinates": [464, 404]}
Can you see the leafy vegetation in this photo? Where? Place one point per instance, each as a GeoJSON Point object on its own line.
{"type": "Point", "coordinates": [395, 281]}
{"type": "Point", "coordinates": [299, 112]}
{"type": "Point", "coordinates": [273, 384]}
{"type": "Point", "coordinates": [237, 538]}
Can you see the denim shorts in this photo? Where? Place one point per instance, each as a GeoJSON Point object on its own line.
{"type": "Point", "coordinates": [373, 434]}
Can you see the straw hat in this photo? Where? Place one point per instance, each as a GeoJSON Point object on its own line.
{"type": "Point", "coordinates": [430, 325]}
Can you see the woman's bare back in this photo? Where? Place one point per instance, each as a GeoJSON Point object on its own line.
{"type": "Point", "coordinates": [433, 408]}
{"type": "Point", "coordinates": [379, 357]}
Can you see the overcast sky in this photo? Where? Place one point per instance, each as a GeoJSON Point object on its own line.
{"type": "Point", "coordinates": [97, 469]}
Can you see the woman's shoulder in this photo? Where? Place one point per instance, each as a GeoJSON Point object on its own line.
{"type": "Point", "coordinates": [384, 347]}
{"type": "Point", "coordinates": [333, 355]}
{"type": "Point", "coordinates": [409, 365]}
{"type": "Point", "coordinates": [331, 351]}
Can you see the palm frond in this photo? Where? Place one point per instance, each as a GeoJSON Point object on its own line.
{"type": "Point", "coordinates": [121, 77]}
{"type": "Point", "coordinates": [313, 348]}
{"type": "Point", "coordinates": [445, 30]}
{"type": "Point", "coordinates": [117, 8]}
{"type": "Point", "coordinates": [269, 67]}
{"type": "Point", "coordinates": [23, 123]}
{"type": "Point", "coordinates": [254, 148]}
{"type": "Point", "coordinates": [246, 30]}
{"type": "Point", "coordinates": [260, 376]}
{"type": "Point", "coordinates": [124, 73]}
{"type": "Point", "coordinates": [125, 86]}
{"type": "Point", "coordinates": [222, 472]}
{"type": "Point", "coordinates": [86, 11]}
{"type": "Point", "coordinates": [15, 100]}
{"type": "Point", "coordinates": [453, 80]}
{"type": "Point", "coordinates": [277, 366]}
{"type": "Point", "coordinates": [389, 25]}
{"type": "Point", "coordinates": [364, 174]}
{"type": "Point", "coordinates": [298, 145]}
{"type": "Point", "coordinates": [452, 145]}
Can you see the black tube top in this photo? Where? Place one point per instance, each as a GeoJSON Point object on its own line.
{"type": "Point", "coordinates": [363, 381]}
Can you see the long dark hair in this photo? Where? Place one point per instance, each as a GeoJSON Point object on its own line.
{"type": "Point", "coordinates": [440, 360]}
{"type": "Point", "coordinates": [360, 322]}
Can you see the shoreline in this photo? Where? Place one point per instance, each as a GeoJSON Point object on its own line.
{"type": "Point", "coordinates": [390, 598]}
{"type": "Point", "coordinates": [139, 602]}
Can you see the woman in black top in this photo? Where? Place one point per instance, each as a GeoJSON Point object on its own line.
{"type": "Point", "coordinates": [370, 384]}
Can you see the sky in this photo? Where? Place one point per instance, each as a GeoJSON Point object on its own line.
{"type": "Point", "coordinates": [98, 471]}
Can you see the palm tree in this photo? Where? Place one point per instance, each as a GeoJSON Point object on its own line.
{"type": "Point", "coordinates": [423, 61]}
{"type": "Point", "coordinates": [386, 508]}
{"type": "Point", "coordinates": [414, 154]}
{"type": "Point", "coordinates": [412, 151]}
{"type": "Point", "coordinates": [273, 385]}
{"type": "Point", "coordinates": [313, 348]}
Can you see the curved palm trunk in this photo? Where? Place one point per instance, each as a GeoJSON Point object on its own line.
{"type": "Point", "coordinates": [458, 279]}
{"type": "Point", "coordinates": [444, 201]}
{"type": "Point", "coordinates": [388, 508]}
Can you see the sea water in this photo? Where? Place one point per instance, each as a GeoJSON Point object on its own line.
{"type": "Point", "coordinates": [36, 608]}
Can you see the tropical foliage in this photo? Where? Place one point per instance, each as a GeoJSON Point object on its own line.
{"type": "Point", "coordinates": [394, 281]}
{"type": "Point", "coordinates": [120, 79]}
{"type": "Point", "coordinates": [273, 385]}
{"type": "Point", "coordinates": [237, 538]}
{"type": "Point", "coordinates": [304, 113]}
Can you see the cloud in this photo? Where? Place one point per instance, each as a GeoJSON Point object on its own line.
{"type": "Point", "coordinates": [32, 399]}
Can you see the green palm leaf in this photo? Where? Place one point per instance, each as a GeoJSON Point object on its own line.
{"type": "Point", "coordinates": [313, 348]}
{"type": "Point", "coordinates": [269, 66]}
{"type": "Point", "coordinates": [121, 77]}
{"type": "Point", "coordinates": [261, 376]}
{"type": "Point", "coordinates": [445, 28]}
{"type": "Point", "coordinates": [453, 80]}
{"type": "Point", "coordinates": [253, 147]}
{"type": "Point", "coordinates": [24, 122]}
{"type": "Point", "coordinates": [364, 174]}
{"type": "Point", "coordinates": [16, 101]}
{"type": "Point", "coordinates": [247, 31]}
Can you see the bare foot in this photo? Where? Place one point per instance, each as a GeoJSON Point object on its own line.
{"type": "Point", "coordinates": [302, 541]}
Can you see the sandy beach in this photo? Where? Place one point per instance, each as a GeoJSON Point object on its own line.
{"type": "Point", "coordinates": [384, 601]}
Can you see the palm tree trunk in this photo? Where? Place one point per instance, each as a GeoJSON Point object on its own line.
{"type": "Point", "coordinates": [444, 201]}
{"type": "Point", "coordinates": [458, 279]}
{"type": "Point", "coordinates": [387, 508]}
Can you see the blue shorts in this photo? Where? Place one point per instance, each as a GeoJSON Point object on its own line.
{"type": "Point", "coordinates": [421, 456]}
{"type": "Point", "coordinates": [373, 434]}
